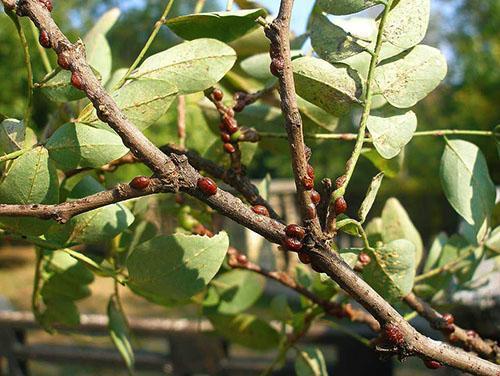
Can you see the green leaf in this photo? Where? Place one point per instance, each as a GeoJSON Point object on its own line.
{"type": "Point", "coordinates": [64, 280]}
{"type": "Point", "coordinates": [370, 196]}
{"type": "Point", "coordinates": [341, 7]}
{"type": "Point", "coordinates": [391, 131]}
{"type": "Point", "coordinates": [246, 330]}
{"type": "Point", "coordinates": [331, 42]}
{"type": "Point", "coordinates": [407, 23]}
{"type": "Point", "coordinates": [143, 102]}
{"type": "Point", "coordinates": [238, 290]}
{"type": "Point", "coordinates": [493, 241]}
{"type": "Point", "coordinates": [15, 136]}
{"type": "Point", "coordinates": [405, 80]}
{"type": "Point", "coordinates": [170, 269]}
{"type": "Point", "coordinates": [31, 179]}
{"type": "Point", "coordinates": [350, 255]}
{"type": "Point", "coordinates": [77, 145]}
{"type": "Point", "coordinates": [392, 269]}
{"type": "Point", "coordinates": [316, 115]}
{"type": "Point", "coordinates": [59, 88]}
{"type": "Point", "coordinates": [390, 167]}
{"type": "Point", "coordinates": [398, 225]}
{"type": "Point", "coordinates": [98, 51]}
{"type": "Point", "coordinates": [119, 333]}
{"type": "Point", "coordinates": [435, 251]}
{"type": "Point", "coordinates": [224, 26]}
{"type": "Point", "coordinates": [466, 181]}
{"type": "Point", "coordinates": [333, 88]}
{"type": "Point", "coordinates": [310, 362]}
{"type": "Point", "coordinates": [95, 226]}
{"type": "Point", "coordinates": [257, 65]}
{"type": "Point", "coordinates": [190, 66]}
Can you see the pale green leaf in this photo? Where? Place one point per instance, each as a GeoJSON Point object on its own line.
{"type": "Point", "coordinates": [390, 167]}
{"type": "Point", "coordinates": [31, 179]}
{"type": "Point", "coordinates": [391, 131]}
{"type": "Point", "coordinates": [407, 23]}
{"type": "Point", "coordinates": [15, 136]}
{"type": "Point", "coordinates": [398, 225]}
{"type": "Point", "coordinates": [119, 333]}
{"type": "Point", "coordinates": [224, 26]}
{"type": "Point", "coordinates": [331, 42]}
{"type": "Point", "coordinates": [238, 290]}
{"type": "Point", "coordinates": [190, 66]}
{"type": "Point", "coordinates": [391, 271]}
{"type": "Point", "coordinates": [493, 241]}
{"type": "Point", "coordinates": [370, 196]}
{"type": "Point", "coordinates": [333, 88]}
{"type": "Point", "coordinates": [246, 330]}
{"type": "Point", "coordinates": [78, 145]}
{"type": "Point", "coordinates": [310, 362]}
{"type": "Point", "coordinates": [143, 102]}
{"type": "Point", "coordinates": [466, 181]}
{"type": "Point", "coordinates": [341, 7]}
{"type": "Point", "coordinates": [170, 269]}
{"type": "Point", "coordinates": [435, 251]}
{"type": "Point", "coordinates": [405, 80]}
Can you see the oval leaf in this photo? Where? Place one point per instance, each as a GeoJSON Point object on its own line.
{"type": "Point", "coordinates": [466, 181]}
{"type": "Point", "coordinates": [398, 225]}
{"type": "Point", "coordinates": [408, 79]}
{"type": "Point", "coordinates": [169, 269]}
{"type": "Point", "coordinates": [333, 88]}
{"type": "Point", "coordinates": [190, 66]}
{"type": "Point", "coordinates": [246, 330]}
{"type": "Point", "coordinates": [143, 102]}
{"type": "Point", "coordinates": [371, 194]}
{"type": "Point", "coordinates": [407, 23]}
{"type": "Point", "coordinates": [341, 7]}
{"type": "Point", "coordinates": [31, 179]}
{"type": "Point", "coordinates": [224, 26]}
{"type": "Point", "coordinates": [391, 131]}
{"type": "Point", "coordinates": [119, 333]}
{"type": "Point", "coordinates": [310, 362]}
{"type": "Point", "coordinates": [238, 290]}
{"type": "Point", "coordinates": [331, 42]}
{"type": "Point", "coordinates": [392, 270]}
{"type": "Point", "coordinates": [78, 145]}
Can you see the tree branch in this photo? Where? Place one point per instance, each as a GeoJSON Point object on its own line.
{"type": "Point", "coordinates": [488, 349]}
{"type": "Point", "coordinates": [278, 33]}
{"type": "Point", "coordinates": [331, 308]}
{"type": "Point", "coordinates": [239, 182]}
{"type": "Point", "coordinates": [66, 210]}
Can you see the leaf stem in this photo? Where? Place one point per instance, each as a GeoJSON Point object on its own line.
{"type": "Point", "coordinates": [199, 6]}
{"type": "Point", "coordinates": [154, 33]}
{"type": "Point", "coordinates": [445, 267]}
{"type": "Point", "coordinates": [13, 155]}
{"type": "Point", "coordinates": [41, 50]}
{"type": "Point", "coordinates": [353, 136]}
{"type": "Point", "coordinates": [351, 163]}
{"type": "Point", "coordinates": [27, 63]}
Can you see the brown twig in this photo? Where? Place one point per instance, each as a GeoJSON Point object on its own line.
{"type": "Point", "coordinates": [470, 340]}
{"type": "Point", "coordinates": [278, 32]}
{"type": "Point", "coordinates": [238, 261]}
{"type": "Point", "coordinates": [239, 182]}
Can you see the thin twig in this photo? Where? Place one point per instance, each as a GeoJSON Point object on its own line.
{"type": "Point", "coordinates": [27, 63]}
{"type": "Point", "coordinates": [41, 50]}
{"type": "Point", "coordinates": [470, 340]}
